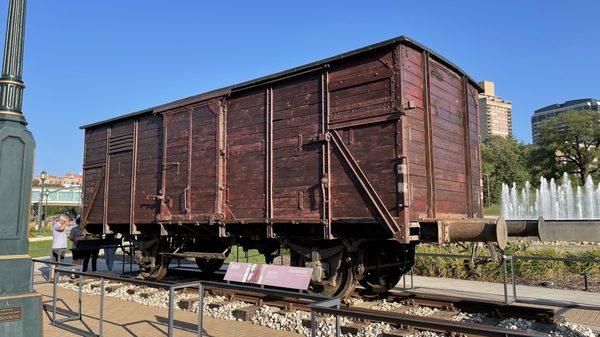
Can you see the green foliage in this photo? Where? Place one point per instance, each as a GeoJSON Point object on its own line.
{"type": "Point", "coordinates": [570, 143]}
{"type": "Point", "coordinates": [504, 161]}
{"type": "Point", "coordinates": [492, 210]}
{"type": "Point", "coordinates": [72, 212]}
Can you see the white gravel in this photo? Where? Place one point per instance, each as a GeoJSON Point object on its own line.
{"type": "Point", "coordinates": [374, 329]}
{"type": "Point", "coordinates": [468, 317]}
{"type": "Point", "coordinates": [427, 334]}
{"type": "Point", "coordinates": [571, 330]}
{"type": "Point", "coordinates": [274, 318]}
{"type": "Point", "coordinates": [223, 311]}
{"type": "Point", "coordinates": [421, 311]}
{"type": "Point", "coordinates": [386, 306]}
{"type": "Point", "coordinates": [291, 321]}
{"type": "Point", "coordinates": [516, 323]}
{"type": "Point", "coordinates": [354, 300]}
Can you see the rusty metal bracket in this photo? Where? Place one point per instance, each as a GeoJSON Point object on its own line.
{"type": "Point", "coordinates": [365, 185]}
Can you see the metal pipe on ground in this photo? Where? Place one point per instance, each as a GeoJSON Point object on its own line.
{"type": "Point", "coordinates": [473, 230]}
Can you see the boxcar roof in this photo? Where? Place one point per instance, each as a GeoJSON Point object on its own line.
{"type": "Point", "coordinates": [286, 73]}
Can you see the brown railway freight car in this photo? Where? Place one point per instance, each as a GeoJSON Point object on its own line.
{"type": "Point", "coordinates": [349, 162]}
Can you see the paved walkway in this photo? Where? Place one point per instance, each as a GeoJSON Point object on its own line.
{"type": "Point", "coordinates": [495, 291]}
{"type": "Point", "coordinates": [576, 306]}
{"type": "Point", "coordinates": [129, 319]}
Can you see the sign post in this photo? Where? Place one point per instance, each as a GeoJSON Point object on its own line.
{"type": "Point", "coordinates": [20, 306]}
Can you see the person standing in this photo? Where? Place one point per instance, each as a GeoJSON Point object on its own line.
{"type": "Point", "coordinates": [109, 253]}
{"type": "Point", "coordinates": [75, 235]}
{"type": "Point", "coordinates": [93, 254]}
{"type": "Point", "coordinates": [59, 241]}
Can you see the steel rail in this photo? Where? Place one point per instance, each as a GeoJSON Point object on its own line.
{"type": "Point", "coordinates": [425, 323]}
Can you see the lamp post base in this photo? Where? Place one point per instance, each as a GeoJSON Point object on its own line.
{"type": "Point", "coordinates": [20, 306]}
{"type": "Point", "coordinates": [21, 315]}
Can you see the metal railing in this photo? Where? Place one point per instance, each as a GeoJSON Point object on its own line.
{"type": "Point", "coordinates": [72, 269]}
{"type": "Point", "coordinates": [505, 258]}
{"type": "Point", "coordinates": [513, 259]}
{"type": "Point", "coordinates": [319, 305]}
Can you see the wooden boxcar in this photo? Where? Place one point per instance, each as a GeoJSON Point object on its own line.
{"type": "Point", "coordinates": [349, 162]}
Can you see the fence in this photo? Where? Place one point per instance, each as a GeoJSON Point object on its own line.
{"type": "Point", "coordinates": [513, 259]}
{"type": "Point", "coordinates": [320, 305]}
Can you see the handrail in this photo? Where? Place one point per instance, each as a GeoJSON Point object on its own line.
{"type": "Point", "coordinates": [516, 257]}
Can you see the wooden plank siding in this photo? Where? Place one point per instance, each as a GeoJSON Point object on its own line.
{"type": "Point", "coordinates": [93, 175]}
{"type": "Point", "coordinates": [245, 175]}
{"type": "Point", "coordinates": [258, 154]}
{"type": "Point", "coordinates": [296, 156]}
{"type": "Point", "coordinates": [119, 173]}
{"type": "Point", "coordinates": [148, 168]}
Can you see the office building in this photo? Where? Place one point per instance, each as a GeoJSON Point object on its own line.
{"type": "Point", "coordinates": [495, 113]}
{"type": "Point", "coordinates": [540, 115]}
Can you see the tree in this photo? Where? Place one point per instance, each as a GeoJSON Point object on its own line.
{"type": "Point", "coordinates": [570, 143]}
{"type": "Point", "coordinates": [504, 161]}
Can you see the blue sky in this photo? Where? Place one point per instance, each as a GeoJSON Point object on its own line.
{"type": "Point", "coordinates": [89, 60]}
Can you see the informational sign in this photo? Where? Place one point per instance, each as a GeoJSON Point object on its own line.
{"type": "Point", "coordinates": [11, 314]}
{"type": "Point", "coordinates": [269, 275]}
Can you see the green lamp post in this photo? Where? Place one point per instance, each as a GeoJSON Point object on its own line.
{"type": "Point", "coordinates": [20, 306]}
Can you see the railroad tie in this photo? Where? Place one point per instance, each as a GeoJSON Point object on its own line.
{"type": "Point", "coordinates": [352, 328]}
{"type": "Point", "coordinates": [187, 303]}
{"type": "Point", "coordinates": [307, 323]}
{"type": "Point", "coordinates": [111, 288]}
{"type": "Point", "coordinates": [148, 294]}
{"type": "Point", "coordinates": [246, 313]}
{"type": "Point", "coordinates": [217, 305]}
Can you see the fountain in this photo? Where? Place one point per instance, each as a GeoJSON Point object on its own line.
{"type": "Point", "coordinates": [552, 201]}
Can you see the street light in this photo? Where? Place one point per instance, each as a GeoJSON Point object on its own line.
{"type": "Point", "coordinates": [43, 177]}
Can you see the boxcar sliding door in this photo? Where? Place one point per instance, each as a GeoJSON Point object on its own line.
{"type": "Point", "coordinates": [189, 164]}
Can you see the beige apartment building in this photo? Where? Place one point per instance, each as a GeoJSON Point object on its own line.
{"type": "Point", "coordinates": [496, 113]}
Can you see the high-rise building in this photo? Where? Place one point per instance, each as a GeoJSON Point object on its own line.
{"type": "Point", "coordinates": [540, 115]}
{"type": "Point", "coordinates": [496, 113]}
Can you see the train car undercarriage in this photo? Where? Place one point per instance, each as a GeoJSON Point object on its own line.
{"type": "Point", "coordinates": [338, 264]}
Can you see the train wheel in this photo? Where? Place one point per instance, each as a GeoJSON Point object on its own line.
{"type": "Point", "coordinates": [156, 272]}
{"type": "Point", "coordinates": [380, 282]}
{"type": "Point", "coordinates": [342, 287]}
{"type": "Point", "coordinates": [209, 266]}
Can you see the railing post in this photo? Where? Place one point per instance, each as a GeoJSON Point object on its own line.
{"type": "Point", "coordinates": [504, 283]}
{"type": "Point", "coordinates": [337, 322]}
{"type": "Point", "coordinates": [122, 259]}
{"type": "Point", "coordinates": [80, 295]}
{"type": "Point", "coordinates": [171, 312]}
{"type": "Point", "coordinates": [200, 309]}
{"type": "Point", "coordinates": [313, 323]}
{"type": "Point", "coordinates": [101, 323]}
{"type": "Point", "coordinates": [514, 281]}
{"type": "Point", "coordinates": [54, 286]}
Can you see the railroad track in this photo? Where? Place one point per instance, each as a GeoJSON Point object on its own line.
{"type": "Point", "coordinates": [403, 313]}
